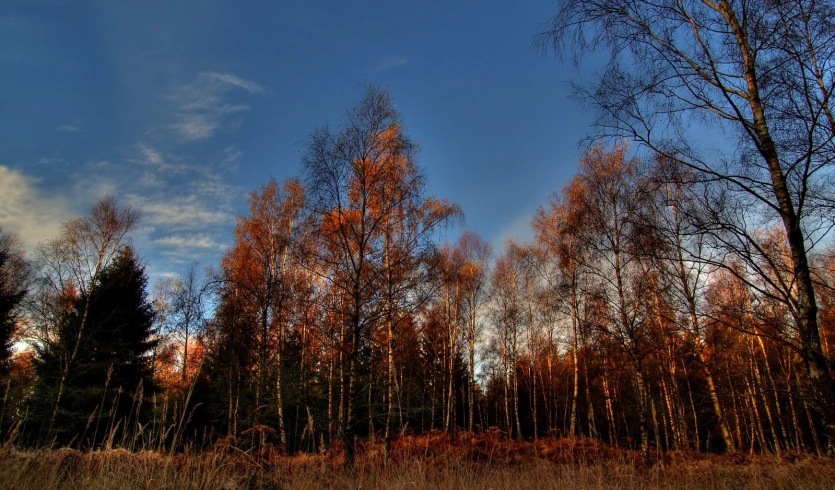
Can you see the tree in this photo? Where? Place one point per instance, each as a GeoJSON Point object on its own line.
{"type": "Point", "coordinates": [71, 265]}
{"type": "Point", "coordinates": [364, 184]}
{"type": "Point", "coordinates": [606, 191]}
{"type": "Point", "coordinates": [759, 69]}
{"type": "Point", "coordinates": [14, 277]}
{"type": "Point", "coordinates": [232, 354]}
{"type": "Point", "coordinates": [179, 306]}
{"type": "Point", "coordinates": [408, 243]}
{"type": "Point", "coordinates": [508, 316]}
{"type": "Point", "coordinates": [681, 254]}
{"type": "Point", "coordinates": [189, 321]}
{"type": "Point", "coordinates": [559, 234]}
{"type": "Point", "coordinates": [475, 260]}
{"type": "Point", "coordinates": [262, 266]}
{"type": "Point", "coordinates": [112, 371]}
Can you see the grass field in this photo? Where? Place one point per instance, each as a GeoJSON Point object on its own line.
{"type": "Point", "coordinates": [414, 463]}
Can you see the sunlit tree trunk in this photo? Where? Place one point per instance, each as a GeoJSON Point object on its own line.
{"type": "Point", "coordinates": [471, 367]}
{"type": "Point", "coordinates": [786, 365]}
{"type": "Point", "coordinates": [642, 404]}
{"type": "Point", "coordinates": [610, 411]}
{"type": "Point", "coordinates": [575, 315]}
{"type": "Point", "coordinates": [506, 385]}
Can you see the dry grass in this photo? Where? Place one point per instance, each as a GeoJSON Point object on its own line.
{"type": "Point", "coordinates": [426, 462]}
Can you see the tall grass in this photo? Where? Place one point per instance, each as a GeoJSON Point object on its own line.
{"type": "Point", "coordinates": [414, 463]}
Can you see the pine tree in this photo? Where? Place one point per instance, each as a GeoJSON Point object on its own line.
{"type": "Point", "coordinates": [112, 372]}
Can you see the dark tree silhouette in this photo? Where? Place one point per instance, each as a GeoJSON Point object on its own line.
{"type": "Point", "coordinates": [14, 272]}
{"type": "Point", "coordinates": [111, 375]}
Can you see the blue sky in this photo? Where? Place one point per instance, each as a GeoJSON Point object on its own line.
{"type": "Point", "coordinates": [181, 107]}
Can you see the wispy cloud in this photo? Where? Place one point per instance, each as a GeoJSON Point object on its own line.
{"type": "Point", "coordinates": [204, 106]}
{"type": "Point", "coordinates": [189, 242]}
{"type": "Point", "coordinates": [188, 206]}
{"type": "Point", "coordinates": [390, 64]}
{"type": "Point", "coordinates": [151, 156]}
{"type": "Point", "coordinates": [185, 228]}
{"type": "Point", "coordinates": [190, 212]}
{"type": "Point", "coordinates": [229, 79]}
{"type": "Point", "coordinates": [165, 164]}
{"type": "Point", "coordinates": [231, 155]}
{"type": "Point", "coordinates": [49, 161]}
{"type": "Point", "coordinates": [98, 165]}
{"type": "Point", "coordinates": [90, 187]}
{"type": "Point", "coordinates": [187, 203]}
{"type": "Point", "coordinates": [184, 221]}
{"type": "Point", "coordinates": [185, 216]}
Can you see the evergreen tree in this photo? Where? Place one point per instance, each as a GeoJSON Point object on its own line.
{"type": "Point", "coordinates": [13, 274]}
{"type": "Point", "coordinates": [112, 373]}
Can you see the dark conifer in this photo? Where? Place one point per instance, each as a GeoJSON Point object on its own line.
{"type": "Point", "coordinates": [112, 374]}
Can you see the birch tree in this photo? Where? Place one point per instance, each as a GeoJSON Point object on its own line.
{"type": "Point", "coordinates": [756, 75]}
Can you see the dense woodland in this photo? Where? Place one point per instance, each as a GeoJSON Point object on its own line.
{"type": "Point", "coordinates": [671, 298]}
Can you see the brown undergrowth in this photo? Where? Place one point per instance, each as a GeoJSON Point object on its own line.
{"type": "Point", "coordinates": [482, 462]}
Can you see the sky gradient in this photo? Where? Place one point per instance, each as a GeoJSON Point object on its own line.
{"type": "Point", "coordinates": [180, 108]}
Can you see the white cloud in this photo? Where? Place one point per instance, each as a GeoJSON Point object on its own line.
{"type": "Point", "coordinates": [69, 128]}
{"type": "Point", "coordinates": [35, 215]}
{"type": "Point", "coordinates": [204, 107]}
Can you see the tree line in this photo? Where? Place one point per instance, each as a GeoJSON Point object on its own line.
{"type": "Point", "coordinates": [677, 295]}
{"type": "Point", "coordinates": [337, 315]}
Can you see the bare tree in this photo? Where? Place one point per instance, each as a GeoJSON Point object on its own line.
{"type": "Point", "coordinates": [606, 191]}
{"type": "Point", "coordinates": [186, 320]}
{"type": "Point", "coordinates": [757, 70]}
{"type": "Point", "coordinates": [162, 299]}
{"type": "Point", "coordinates": [681, 252]}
